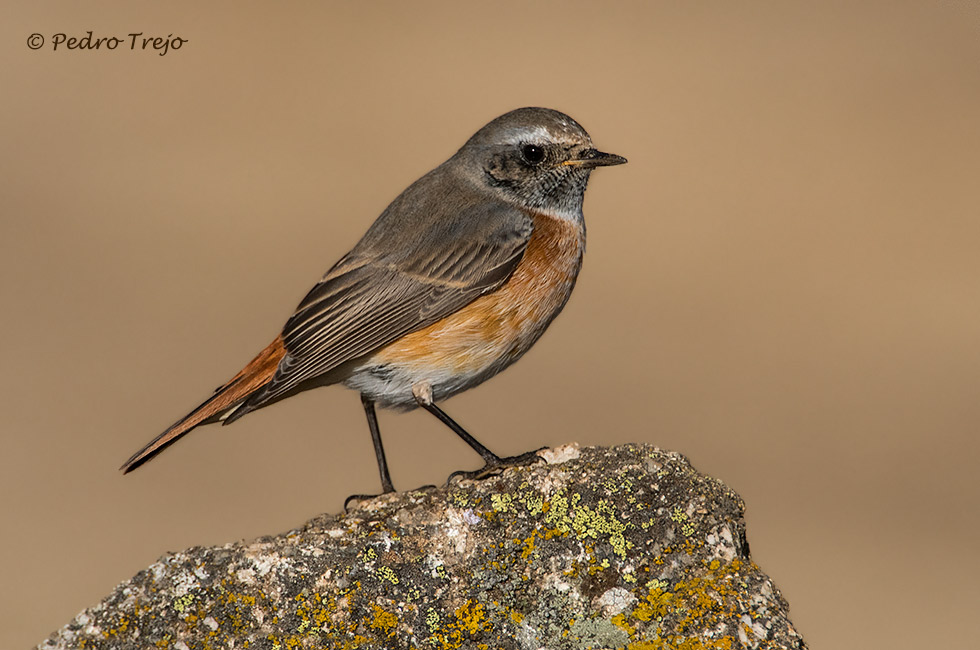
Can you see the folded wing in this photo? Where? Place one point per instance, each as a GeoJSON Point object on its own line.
{"type": "Point", "coordinates": [373, 297]}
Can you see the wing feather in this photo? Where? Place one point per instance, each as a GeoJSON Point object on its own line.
{"type": "Point", "coordinates": [373, 297]}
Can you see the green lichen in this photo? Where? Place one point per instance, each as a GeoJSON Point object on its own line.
{"type": "Point", "coordinates": [386, 573]}
{"type": "Point", "coordinates": [432, 620]}
{"type": "Point", "coordinates": [597, 633]}
{"type": "Point", "coordinates": [501, 502]}
{"type": "Point", "coordinates": [181, 603]}
{"type": "Point", "coordinates": [569, 515]}
{"type": "Point", "coordinates": [533, 502]}
{"type": "Point", "coordinates": [535, 563]}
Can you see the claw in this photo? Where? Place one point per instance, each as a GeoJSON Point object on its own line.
{"type": "Point", "coordinates": [360, 497]}
{"type": "Point", "coordinates": [368, 497]}
{"type": "Point", "coordinates": [494, 468]}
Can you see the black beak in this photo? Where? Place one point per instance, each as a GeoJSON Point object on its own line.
{"type": "Point", "coordinates": [591, 158]}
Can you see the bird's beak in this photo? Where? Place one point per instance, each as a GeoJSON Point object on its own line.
{"type": "Point", "coordinates": [591, 158]}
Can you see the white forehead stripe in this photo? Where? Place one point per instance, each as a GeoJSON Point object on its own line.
{"type": "Point", "coordinates": [525, 134]}
{"type": "Point", "coordinates": [540, 134]}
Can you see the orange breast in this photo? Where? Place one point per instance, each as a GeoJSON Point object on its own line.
{"type": "Point", "coordinates": [496, 329]}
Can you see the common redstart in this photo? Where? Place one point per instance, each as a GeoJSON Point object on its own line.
{"type": "Point", "coordinates": [454, 282]}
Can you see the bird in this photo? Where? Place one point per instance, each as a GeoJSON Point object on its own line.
{"type": "Point", "coordinates": [456, 279]}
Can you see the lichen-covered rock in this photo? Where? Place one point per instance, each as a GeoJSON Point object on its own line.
{"type": "Point", "coordinates": [626, 547]}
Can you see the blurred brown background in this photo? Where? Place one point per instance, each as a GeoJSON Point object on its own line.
{"type": "Point", "coordinates": [783, 283]}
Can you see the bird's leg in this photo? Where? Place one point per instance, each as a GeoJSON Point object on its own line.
{"type": "Point", "coordinates": [494, 463]}
{"type": "Point", "coordinates": [379, 452]}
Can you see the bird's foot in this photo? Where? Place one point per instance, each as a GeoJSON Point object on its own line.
{"type": "Point", "coordinates": [497, 466]}
{"type": "Point", "coordinates": [362, 497]}
{"type": "Point", "coordinates": [368, 497]}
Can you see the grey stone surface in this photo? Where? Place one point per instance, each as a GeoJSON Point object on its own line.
{"type": "Point", "coordinates": [625, 547]}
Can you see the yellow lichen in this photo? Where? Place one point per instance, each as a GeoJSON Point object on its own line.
{"type": "Point", "coordinates": [701, 603]}
{"type": "Point", "coordinates": [619, 620]}
{"type": "Point", "coordinates": [384, 621]}
{"type": "Point", "coordinates": [471, 617]}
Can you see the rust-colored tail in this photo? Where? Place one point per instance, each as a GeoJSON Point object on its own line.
{"type": "Point", "coordinates": [252, 377]}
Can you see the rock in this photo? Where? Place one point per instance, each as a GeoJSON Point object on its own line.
{"type": "Point", "coordinates": [625, 547]}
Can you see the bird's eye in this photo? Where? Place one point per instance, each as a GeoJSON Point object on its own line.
{"type": "Point", "coordinates": [532, 154]}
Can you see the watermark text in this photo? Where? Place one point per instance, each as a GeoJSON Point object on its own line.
{"type": "Point", "coordinates": [134, 41]}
